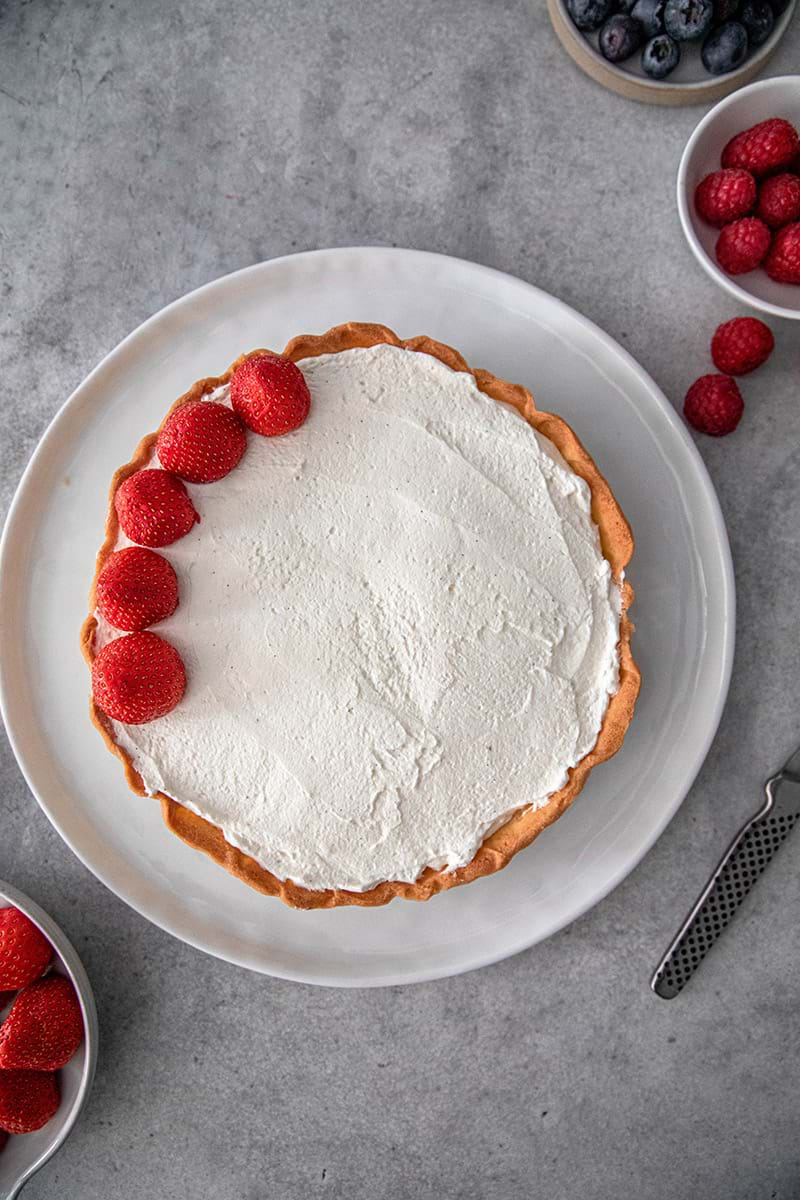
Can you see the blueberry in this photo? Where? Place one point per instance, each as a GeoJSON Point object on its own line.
{"type": "Point", "coordinates": [660, 56]}
{"type": "Point", "coordinates": [589, 15]}
{"type": "Point", "coordinates": [624, 6]}
{"type": "Point", "coordinates": [725, 48]}
{"type": "Point", "coordinates": [688, 20]}
{"type": "Point", "coordinates": [758, 19]}
{"type": "Point", "coordinates": [619, 38]}
{"type": "Point", "coordinates": [650, 15]}
{"type": "Point", "coordinates": [724, 10]}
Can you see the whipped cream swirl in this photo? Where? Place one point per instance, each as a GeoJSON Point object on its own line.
{"type": "Point", "coordinates": [398, 628]}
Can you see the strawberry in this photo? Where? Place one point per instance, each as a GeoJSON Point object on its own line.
{"type": "Point", "coordinates": [741, 345]}
{"type": "Point", "coordinates": [28, 1099]}
{"type": "Point", "coordinates": [270, 394]}
{"type": "Point", "coordinates": [25, 952]}
{"type": "Point", "coordinates": [136, 588]}
{"type": "Point", "coordinates": [783, 260]}
{"type": "Point", "coordinates": [725, 196]}
{"type": "Point", "coordinates": [201, 441]}
{"type": "Point", "coordinates": [765, 147]}
{"type": "Point", "coordinates": [154, 508]}
{"type": "Point", "coordinates": [3, 1138]}
{"type": "Point", "coordinates": [779, 200]}
{"type": "Point", "coordinates": [138, 678]}
{"type": "Point", "coordinates": [714, 405]}
{"type": "Point", "coordinates": [43, 1029]}
{"type": "Point", "coordinates": [742, 246]}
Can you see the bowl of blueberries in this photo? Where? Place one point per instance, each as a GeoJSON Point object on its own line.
{"type": "Point", "coordinates": [671, 51]}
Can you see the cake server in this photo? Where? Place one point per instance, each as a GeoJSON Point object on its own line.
{"type": "Point", "coordinates": [753, 848]}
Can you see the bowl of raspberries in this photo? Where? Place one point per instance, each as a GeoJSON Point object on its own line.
{"type": "Point", "coordinates": [739, 195]}
{"type": "Point", "coordinates": [48, 1039]}
{"type": "Point", "coordinates": [671, 51]}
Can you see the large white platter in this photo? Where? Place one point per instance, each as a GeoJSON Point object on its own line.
{"type": "Point", "coordinates": [681, 571]}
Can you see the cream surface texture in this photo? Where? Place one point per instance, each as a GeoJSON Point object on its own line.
{"type": "Point", "coordinates": [397, 624]}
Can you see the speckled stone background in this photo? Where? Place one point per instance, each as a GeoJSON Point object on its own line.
{"type": "Point", "coordinates": [148, 147]}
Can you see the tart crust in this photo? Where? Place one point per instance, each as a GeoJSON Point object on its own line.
{"type": "Point", "coordinates": [524, 825]}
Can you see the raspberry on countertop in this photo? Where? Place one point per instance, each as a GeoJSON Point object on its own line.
{"type": "Point", "coordinates": [741, 345]}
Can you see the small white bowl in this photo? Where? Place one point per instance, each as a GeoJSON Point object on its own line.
{"type": "Point", "coordinates": [768, 98]}
{"type": "Point", "coordinates": [26, 1153]}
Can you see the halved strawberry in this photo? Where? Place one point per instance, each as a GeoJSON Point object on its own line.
{"type": "Point", "coordinates": [25, 952]}
{"type": "Point", "coordinates": [43, 1029]}
{"type": "Point", "coordinates": [138, 678]}
{"type": "Point", "coordinates": [28, 1099]}
{"type": "Point", "coordinates": [201, 441]}
{"type": "Point", "coordinates": [154, 508]}
{"type": "Point", "coordinates": [136, 588]}
{"type": "Point", "coordinates": [270, 394]}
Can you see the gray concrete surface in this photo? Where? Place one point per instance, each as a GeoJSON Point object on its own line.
{"type": "Point", "coordinates": [149, 147]}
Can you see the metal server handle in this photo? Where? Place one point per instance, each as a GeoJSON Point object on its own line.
{"type": "Point", "coordinates": [749, 854]}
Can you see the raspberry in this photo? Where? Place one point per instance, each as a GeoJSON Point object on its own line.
{"type": "Point", "coordinates": [201, 441]}
{"type": "Point", "coordinates": [136, 588]}
{"type": "Point", "coordinates": [138, 678]}
{"type": "Point", "coordinates": [783, 260]}
{"type": "Point", "coordinates": [714, 405]}
{"type": "Point", "coordinates": [270, 394]}
{"type": "Point", "coordinates": [779, 200]}
{"type": "Point", "coordinates": [154, 508]}
{"type": "Point", "coordinates": [742, 246]}
{"type": "Point", "coordinates": [741, 345]}
{"type": "Point", "coordinates": [765, 147]}
{"type": "Point", "coordinates": [724, 196]}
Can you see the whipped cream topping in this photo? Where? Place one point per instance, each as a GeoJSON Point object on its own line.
{"type": "Point", "coordinates": [397, 624]}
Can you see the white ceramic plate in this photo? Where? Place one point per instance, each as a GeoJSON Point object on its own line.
{"type": "Point", "coordinates": [681, 571]}
{"type": "Point", "coordinates": [779, 97]}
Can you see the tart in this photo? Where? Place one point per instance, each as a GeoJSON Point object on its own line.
{"type": "Point", "coordinates": [403, 625]}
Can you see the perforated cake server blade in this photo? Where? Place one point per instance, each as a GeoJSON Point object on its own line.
{"type": "Point", "coordinates": [746, 858]}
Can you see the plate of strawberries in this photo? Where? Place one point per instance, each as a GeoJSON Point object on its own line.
{"type": "Point", "coordinates": [739, 195]}
{"type": "Point", "coordinates": [48, 1039]}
